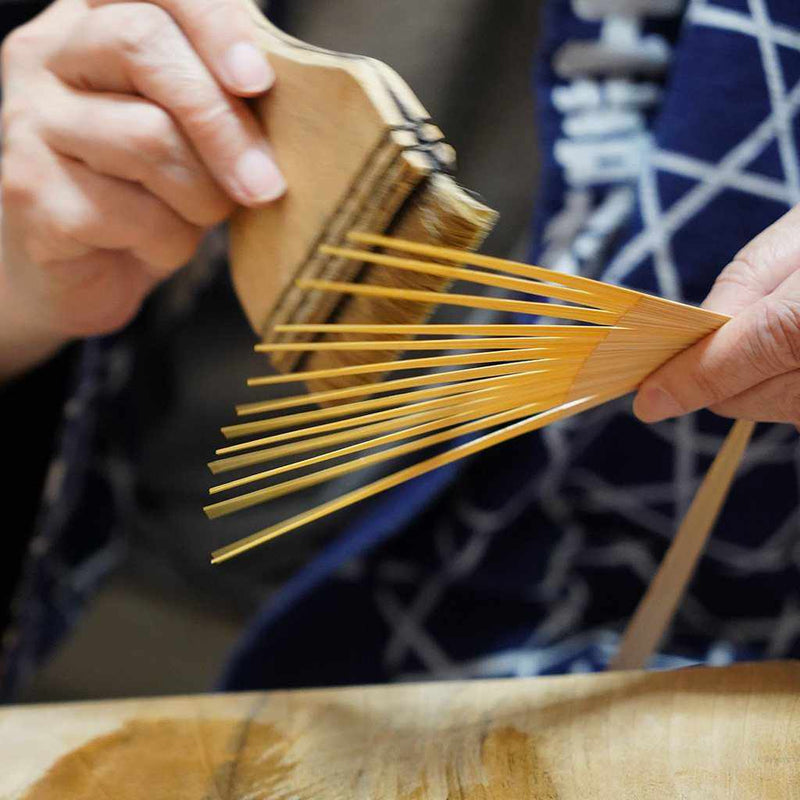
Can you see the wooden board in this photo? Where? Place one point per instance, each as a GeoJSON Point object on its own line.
{"type": "Point", "coordinates": [705, 733]}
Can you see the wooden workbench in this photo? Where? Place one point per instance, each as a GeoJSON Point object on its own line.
{"type": "Point", "coordinates": [705, 733]}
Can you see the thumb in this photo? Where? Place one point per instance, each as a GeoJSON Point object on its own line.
{"type": "Point", "coordinates": [760, 343]}
{"type": "Point", "coordinates": [760, 287]}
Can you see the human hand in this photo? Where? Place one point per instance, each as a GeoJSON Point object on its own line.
{"type": "Point", "coordinates": [750, 368]}
{"type": "Point", "coordinates": [125, 137]}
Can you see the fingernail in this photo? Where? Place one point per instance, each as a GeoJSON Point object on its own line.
{"type": "Point", "coordinates": [259, 177]}
{"type": "Point", "coordinates": [247, 68]}
{"type": "Point", "coordinates": [653, 404]}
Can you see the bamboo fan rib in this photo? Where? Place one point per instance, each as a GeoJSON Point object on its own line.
{"type": "Point", "coordinates": [486, 384]}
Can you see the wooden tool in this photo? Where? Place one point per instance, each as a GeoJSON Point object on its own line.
{"type": "Point", "coordinates": [358, 151]}
{"type": "Point", "coordinates": [702, 733]}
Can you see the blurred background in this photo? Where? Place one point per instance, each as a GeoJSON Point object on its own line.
{"type": "Point", "coordinates": [166, 620]}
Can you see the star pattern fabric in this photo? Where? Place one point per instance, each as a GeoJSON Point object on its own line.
{"type": "Point", "coordinates": [670, 135]}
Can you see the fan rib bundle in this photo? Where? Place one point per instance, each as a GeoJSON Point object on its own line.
{"type": "Point", "coordinates": [494, 382]}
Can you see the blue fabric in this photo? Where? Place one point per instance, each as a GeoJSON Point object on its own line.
{"type": "Point", "coordinates": [663, 155]}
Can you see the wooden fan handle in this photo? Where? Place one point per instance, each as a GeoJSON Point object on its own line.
{"type": "Point", "coordinates": [657, 608]}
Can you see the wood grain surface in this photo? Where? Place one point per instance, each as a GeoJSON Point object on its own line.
{"type": "Point", "coordinates": [730, 732]}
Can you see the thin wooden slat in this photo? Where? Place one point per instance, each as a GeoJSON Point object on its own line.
{"type": "Point", "coordinates": [522, 285]}
{"type": "Point", "coordinates": [466, 301]}
{"type": "Point", "coordinates": [660, 602]}
{"type": "Point", "coordinates": [291, 420]}
{"type": "Point", "coordinates": [463, 413]}
{"type": "Point", "coordinates": [382, 387]}
{"type": "Point", "coordinates": [408, 364]}
{"type": "Point", "coordinates": [459, 329]}
{"type": "Point", "coordinates": [499, 264]}
{"type": "Point", "coordinates": [528, 404]}
{"type": "Point", "coordinates": [507, 342]}
{"type": "Point", "coordinates": [421, 468]}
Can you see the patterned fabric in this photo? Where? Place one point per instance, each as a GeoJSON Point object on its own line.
{"type": "Point", "coordinates": [670, 135]}
{"type": "Point", "coordinates": [79, 532]}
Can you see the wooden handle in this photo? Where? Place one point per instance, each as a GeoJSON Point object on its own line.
{"type": "Point", "coordinates": [660, 602]}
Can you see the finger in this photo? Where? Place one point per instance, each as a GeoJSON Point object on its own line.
{"type": "Point", "coordinates": [775, 400]}
{"type": "Point", "coordinates": [136, 48]}
{"type": "Point", "coordinates": [109, 214]}
{"type": "Point", "coordinates": [224, 34]}
{"type": "Point", "coordinates": [125, 137]}
{"type": "Point", "coordinates": [761, 343]}
{"type": "Point", "coordinates": [759, 268]}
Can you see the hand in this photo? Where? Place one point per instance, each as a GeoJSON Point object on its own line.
{"type": "Point", "coordinates": [750, 368]}
{"type": "Point", "coordinates": [125, 137]}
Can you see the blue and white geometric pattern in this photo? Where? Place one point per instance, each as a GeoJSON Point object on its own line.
{"type": "Point", "coordinates": [670, 136]}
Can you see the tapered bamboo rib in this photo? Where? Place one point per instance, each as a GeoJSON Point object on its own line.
{"type": "Point", "coordinates": [505, 342]}
{"type": "Point", "coordinates": [397, 412]}
{"type": "Point", "coordinates": [491, 381]}
{"type": "Point", "coordinates": [523, 285]}
{"type": "Point", "coordinates": [224, 507]}
{"type": "Point", "coordinates": [360, 431]}
{"type": "Point", "coordinates": [409, 473]}
{"type": "Point", "coordinates": [501, 265]}
{"type": "Point", "coordinates": [481, 409]}
{"type": "Point", "coordinates": [380, 387]}
{"type": "Point", "coordinates": [465, 301]}
{"type": "Point", "coordinates": [460, 359]}
{"type": "Point", "coordinates": [659, 604]}
{"type": "Point", "coordinates": [463, 329]}
{"type": "Point", "coordinates": [289, 420]}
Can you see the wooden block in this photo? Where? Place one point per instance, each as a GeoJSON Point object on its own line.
{"type": "Point", "coordinates": [701, 733]}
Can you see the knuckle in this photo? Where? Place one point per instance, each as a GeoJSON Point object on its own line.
{"type": "Point", "coordinates": [181, 250]}
{"type": "Point", "coordinates": [207, 119]}
{"type": "Point", "coordinates": [775, 346]}
{"type": "Point", "coordinates": [212, 209]}
{"type": "Point", "coordinates": [153, 138]}
{"type": "Point", "coordinates": [209, 13]}
{"type": "Point", "coordinates": [19, 184]}
{"type": "Point", "coordinates": [743, 272]}
{"type": "Point", "coordinates": [66, 227]}
{"type": "Point", "coordinates": [708, 386]}
{"type": "Point", "coordinates": [19, 44]}
{"type": "Point", "coordinates": [140, 27]}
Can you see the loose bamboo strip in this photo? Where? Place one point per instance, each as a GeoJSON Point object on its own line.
{"type": "Point", "coordinates": [465, 301]}
{"type": "Point", "coordinates": [507, 342]}
{"type": "Point", "coordinates": [408, 364]}
{"type": "Point", "coordinates": [404, 412]}
{"type": "Point", "coordinates": [480, 409]}
{"type": "Point", "coordinates": [525, 408]}
{"type": "Point", "coordinates": [382, 387]}
{"type": "Point", "coordinates": [409, 473]}
{"type": "Point", "coordinates": [500, 265]}
{"type": "Point", "coordinates": [481, 278]}
{"type": "Point", "coordinates": [459, 329]}
{"type": "Point", "coordinates": [660, 602]}
{"type": "Point", "coordinates": [290, 420]}
{"type": "Point", "coordinates": [358, 431]}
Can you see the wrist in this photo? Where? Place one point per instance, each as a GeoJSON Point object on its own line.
{"type": "Point", "coordinates": [26, 340]}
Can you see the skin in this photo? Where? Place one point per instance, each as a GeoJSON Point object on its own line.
{"type": "Point", "coordinates": [750, 368]}
{"type": "Point", "coordinates": [126, 136]}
